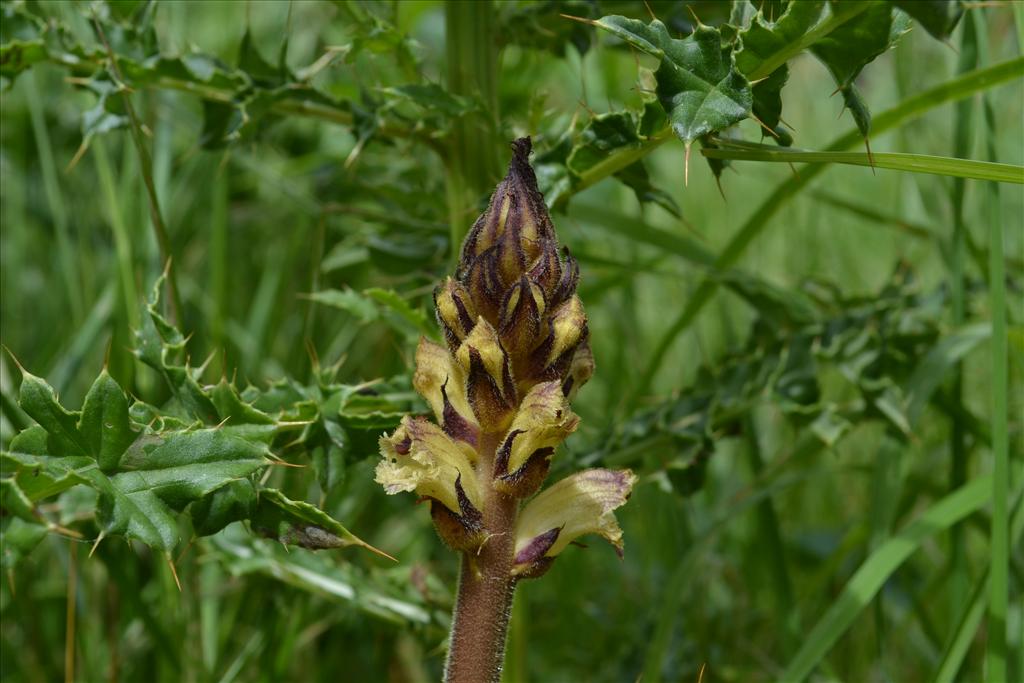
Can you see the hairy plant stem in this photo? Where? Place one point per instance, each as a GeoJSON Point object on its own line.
{"type": "Point", "coordinates": [486, 587]}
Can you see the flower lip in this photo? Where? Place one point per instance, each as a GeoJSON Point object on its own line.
{"type": "Point", "coordinates": [582, 503]}
{"type": "Point", "coordinates": [543, 420]}
{"type": "Point", "coordinates": [432, 465]}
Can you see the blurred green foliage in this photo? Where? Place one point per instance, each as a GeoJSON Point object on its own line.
{"type": "Point", "coordinates": [299, 156]}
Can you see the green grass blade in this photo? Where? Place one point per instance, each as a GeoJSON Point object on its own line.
{"type": "Point", "coordinates": [218, 264]}
{"type": "Point", "coordinates": [932, 368]}
{"type": "Point", "coordinates": [897, 161]}
{"type": "Point", "coordinates": [995, 661]}
{"type": "Point", "coordinates": [959, 449]}
{"type": "Point", "coordinates": [84, 340]}
{"type": "Point", "coordinates": [953, 90]}
{"type": "Point", "coordinates": [956, 648]}
{"type": "Point", "coordinates": [122, 238]}
{"type": "Point", "coordinates": [872, 215]}
{"type": "Point", "coordinates": [635, 229]}
{"type": "Point", "coordinates": [878, 567]}
{"type": "Point", "coordinates": [54, 198]}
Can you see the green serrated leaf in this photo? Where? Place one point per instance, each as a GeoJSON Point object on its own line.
{"type": "Point", "coordinates": [299, 523]}
{"type": "Point", "coordinates": [160, 345]}
{"type": "Point", "coordinates": [105, 424]}
{"type": "Point", "coordinates": [761, 42]}
{"type": "Point", "coordinates": [161, 474]}
{"type": "Point", "coordinates": [233, 502]}
{"type": "Point", "coordinates": [14, 501]}
{"type": "Point", "coordinates": [253, 63]}
{"type": "Point", "coordinates": [393, 302]}
{"type": "Point", "coordinates": [858, 108]}
{"type": "Point", "coordinates": [234, 411]}
{"type": "Point", "coordinates": [860, 40]}
{"type": "Point", "coordinates": [939, 17]}
{"type": "Point", "coordinates": [606, 134]}
{"type": "Point", "coordinates": [37, 474]}
{"type": "Point", "coordinates": [768, 105]}
{"type": "Point", "coordinates": [763, 39]}
{"type": "Point", "coordinates": [20, 539]}
{"type": "Point", "coordinates": [350, 301]}
{"type": "Point", "coordinates": [698, 86]}
{"type": "Point", "coordinates": [39, 402]}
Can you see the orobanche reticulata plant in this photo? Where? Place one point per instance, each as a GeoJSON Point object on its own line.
{"type": "Point", "coordinates": [516, 353]}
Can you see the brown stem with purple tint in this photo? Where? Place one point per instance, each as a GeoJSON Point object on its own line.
{"type": "Point", "coordinates": [486, 587]}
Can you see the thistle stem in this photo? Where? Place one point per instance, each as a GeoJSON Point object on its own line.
{"type": "Point", "coordinates": [486, 588]}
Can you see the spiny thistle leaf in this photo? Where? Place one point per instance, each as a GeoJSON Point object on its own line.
{"type": "Point", "coordinates": [939, 17]}
{"type": "Point", "coordinates": [273, 515]}
{"type": "Point", "coordinates": [605, 134]}
{"type": "Point", "coordinates": [794, 352]}
{"type": "Point", "coordinates": [147, 466]}
{"type": "Point", "coordinates": [762, 40]}
{"type": "Point", "coordinates": [856, 44]}
{"type": "Point", "coordinates": [700, 89]}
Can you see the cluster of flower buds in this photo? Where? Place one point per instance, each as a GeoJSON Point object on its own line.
{"type": "Point", "coordinates": [516, 352]}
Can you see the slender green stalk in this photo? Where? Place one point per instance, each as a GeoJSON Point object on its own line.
{"type": "Point", "coordinates": [955, 650]}
{"type": "Point", "coordinates": [958, 444]}
{"type": "Point", "coordinates": [898, 161]}
{"type": "Point", "coordinates": [146, 169]}
{"type": "Point", "coordinates": [122, 240]}
{"type": "Point", "coordinates": [218, 261]}
{"type": "Point", "coordinates": [770, 534]}
{"type": "Point", "coordinates": [55, 200]}
{"type": "Point", "coordinates": [614, 163]}
{"type": "Point", "coordinates": [953, 90]}
{"type": "Point", "coordinates": [999, 595]}
{"type": "Point", "coordinates": [473, 164]}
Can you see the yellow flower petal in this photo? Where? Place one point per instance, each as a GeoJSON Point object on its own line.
{"type": "Point", "coordinates": [438, 376]}
{"type": "Point", "coordinates": [484, 340]}
{"type": "Point", "coordinates": [568, 322]}
{"type": "Point", "coordinates": [577, 505]}
{"type": "Point", "coordinates": [420, 457]}
{"type": "Point", "coordinates": [544, 420]}
{"type": "Point", "coordinates": [454, 311]}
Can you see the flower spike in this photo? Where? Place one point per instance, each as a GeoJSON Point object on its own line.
{"type": "Point", "coordinates": [515, 354]}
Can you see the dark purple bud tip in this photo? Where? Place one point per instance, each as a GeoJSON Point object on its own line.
{"type": "Point", "coordinates": [521, 149]}
{"type": "Point", "coordinates": [535, 549]}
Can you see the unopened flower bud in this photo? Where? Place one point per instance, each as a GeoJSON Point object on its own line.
{"type": "Point", "coordinates": [567, 326]}
{"type": "Point", "coordinates": [580, 370]}
{"type": "Point", "coordinates": [521, 315]}
{"type": "Point", "coordinates": [455, 312]}
{"type": "Point", "coordinates": [442, 382]}
{"type": "Point", "coordinates": [489, 386]}
{"type": "Point", "coordinates": [463, 531]}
